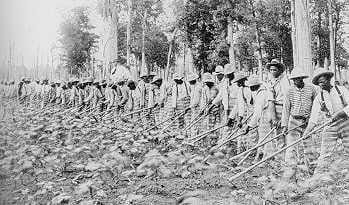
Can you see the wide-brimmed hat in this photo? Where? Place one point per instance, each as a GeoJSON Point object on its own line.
{"type": "Point", "coordinates": [207, 78]}
{"type": "Point", "coordinates": [178, 76]}
{"type": "Point", "coordinates": [74, 80]}
{"type": "Point", "coordinates": [103, 82]}
{"type": "Point", "coordinates": [192, 76]}
{"type": "Point", "coordinates": [88, 80]}
{"type": "Point", "coordinates": [152, 74]}
{"type": "Point", "coordinates": [228, 68]}
{"type": "Point", "coordinates": [155, 79]}
{"type": "Point", "coordinates": [298, 73]}
{"type": "Point", "coordinates": [253, 81]}
{"type": "Point", "coordinates": [276, 63]}
{"type": "Point", "coordinates": [239, 76]}
{"type": "Point", "coordinates": [219, 70]}
{"type": "Point", "coordinates": [321, 72]}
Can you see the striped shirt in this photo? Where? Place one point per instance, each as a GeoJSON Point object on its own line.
{"type": "Point", "coordinates": [298, 103]}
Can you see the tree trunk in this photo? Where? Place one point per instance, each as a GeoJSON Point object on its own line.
{"type": "Point", "coordinates": [302, 58]}
{"type": "Point", "coordinates": [143, 66]}
{"type": "Point", "coordinates": [128, 34]}
{"type": "Point", "coordinates": [332, 51]}
{"type": "Point", "coordinates": [318, 40]}
{"type": "Point", "coordinates": [230, 41]}
{"type": "Point", "coordinates": [293, 31]}
{"type": "Point", "coordinates": [258, 38]}
{"type": "Point", "coordinates": [171, 42]}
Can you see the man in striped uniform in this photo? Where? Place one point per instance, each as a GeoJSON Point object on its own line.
{"type": "Point", "coordinates": [74, 93]}
{"type": "Point", "coordinates": [157, 96]}
{"type": "Point", "coordinates": [278, 84]}
{"type": "Point", "coordinates": [209, 93]}
{"type": "Point", "coordinates": [296, 111]}
{"type": "Point", "coordinates": [219, 73]}
{"type": "Point", "coordinates": [180, 101]}
{"type": "Point", "coordinates": [195, 97]}
{"type": "Point", "coordinates": [332, 101]}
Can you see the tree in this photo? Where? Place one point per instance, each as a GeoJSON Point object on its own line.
{"type": "Point", "coordinates": [77, 41]}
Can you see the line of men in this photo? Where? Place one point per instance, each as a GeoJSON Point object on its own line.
{"type": "Point", "coordinates": [284, 102]}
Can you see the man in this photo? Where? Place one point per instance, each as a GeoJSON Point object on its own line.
{"type": "Point", "coordinates": [296, 111]}
{"type": "Point", "coordinates": [134, 97]}
{"type": "Point", "coordinates": [221, 84]}
{"type": "Point", "coordinates": [195, 98]}
{"type": "Point", "coordinates": [109, 96]}
{"type": "Point", "coordinates": [209, 93]}
{"type": "Point", "coordinates": [244, 100]}
{"type": "Point", "coordinates": [278, 84]}
{"type": "Point", "coordinates": [242, 108]}
{"type": "Point", "coordinates": [180, 100]}
{"type": "Point", "coordinates": [94, 96]}
{"type": "Point", "coordinates": [74, 92]}
{"type": "Point", "coordinates": [123, 94]}
{"type": "Point", "coordinates": [259, 117]}
{"type": "Point", "coordinates": [26, 91]}
{"type": "Point", "coordinates": [157, 96]}
{"type": "Point", "coordinates": [45, 90]}
{"type": "Point", "coordinates": [332, 102]}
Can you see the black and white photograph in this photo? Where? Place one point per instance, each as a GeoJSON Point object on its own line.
{"type": "Point", "coordinates": [174, 102]}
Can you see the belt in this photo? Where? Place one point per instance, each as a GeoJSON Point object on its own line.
{"type": "Point", "coordinates": [297, 117]}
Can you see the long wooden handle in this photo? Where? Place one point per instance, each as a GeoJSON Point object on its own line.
{"type": "Point", "coordinates": [263, 143]}
{"type": "Point", "coordinates": [278, 152]}
{"type": "Point", "coordinates": [202, 135]}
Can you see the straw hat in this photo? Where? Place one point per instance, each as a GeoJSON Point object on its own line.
{"type": "Point", "coordinates": [239, 76]}
{"type": "Point", "coordinates": [103, 82]}
{"type": "Point", "coordinates": [177, 76]}
{"type": "Point", "coordinates": [298, 73]}
{"type": "Point", "coordinates": [276, 63]}
{"type": "Point", "coordinates": [219, 70]}
{"type": "Point", "coordinates": [192, 76]}
{"type": "Point", "coordinates": [321, 72]}
{"type": "Point", "coordinates": [73, 80]}
{"type": "Point", "coordinates": [228, 68]}
{"type": "Point", "coordinates": [207, 78]}
{"type": "Point", "coordinates": [88, 80]}
{"type": "Point", "coordinates": [155, 79]}
{"type": "Point", "coordinates": [253, 81]}
{"type": "Point", "coordinates": [152, 74]}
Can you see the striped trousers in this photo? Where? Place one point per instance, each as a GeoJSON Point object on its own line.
{"type": "Point", "coordinates": [181, 122]}
{"type": "Point", "coordinates": [194, 130]}
{"type": "Point", "coordinates": [330, 136]}
{"type": "Point", "coordinates": [294, 154]}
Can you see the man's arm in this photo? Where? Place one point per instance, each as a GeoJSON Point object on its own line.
{"type": "Point", "coordinates": [286, 108]}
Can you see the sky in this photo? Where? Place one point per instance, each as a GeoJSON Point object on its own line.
{"type": "Point", "coordinates": [32, 27]}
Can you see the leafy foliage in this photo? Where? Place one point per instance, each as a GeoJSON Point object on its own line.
{"type": "Point", "coordinates": [77, 40]}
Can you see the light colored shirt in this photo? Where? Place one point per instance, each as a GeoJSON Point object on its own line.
{"type": "Point", "coordinates": [227, 95]}
{"type": "Point", "coordinates": [260, 104]}
{"type": "Point", "coordinates": [243, 102]}
{"type": "Point", "coordinates": [298, 102]}
{"type": "Point", "coordinates": [332, 102]}
{"type": "Point", "coordinates": [195, 94]}
{"type": "Point", "coordinates": [278, 87]}
{"type": "Point", "coordinates": [208, 94]}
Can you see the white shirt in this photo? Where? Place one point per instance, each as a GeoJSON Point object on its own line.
{"type": "Point", "coordinates": [332, 102]}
